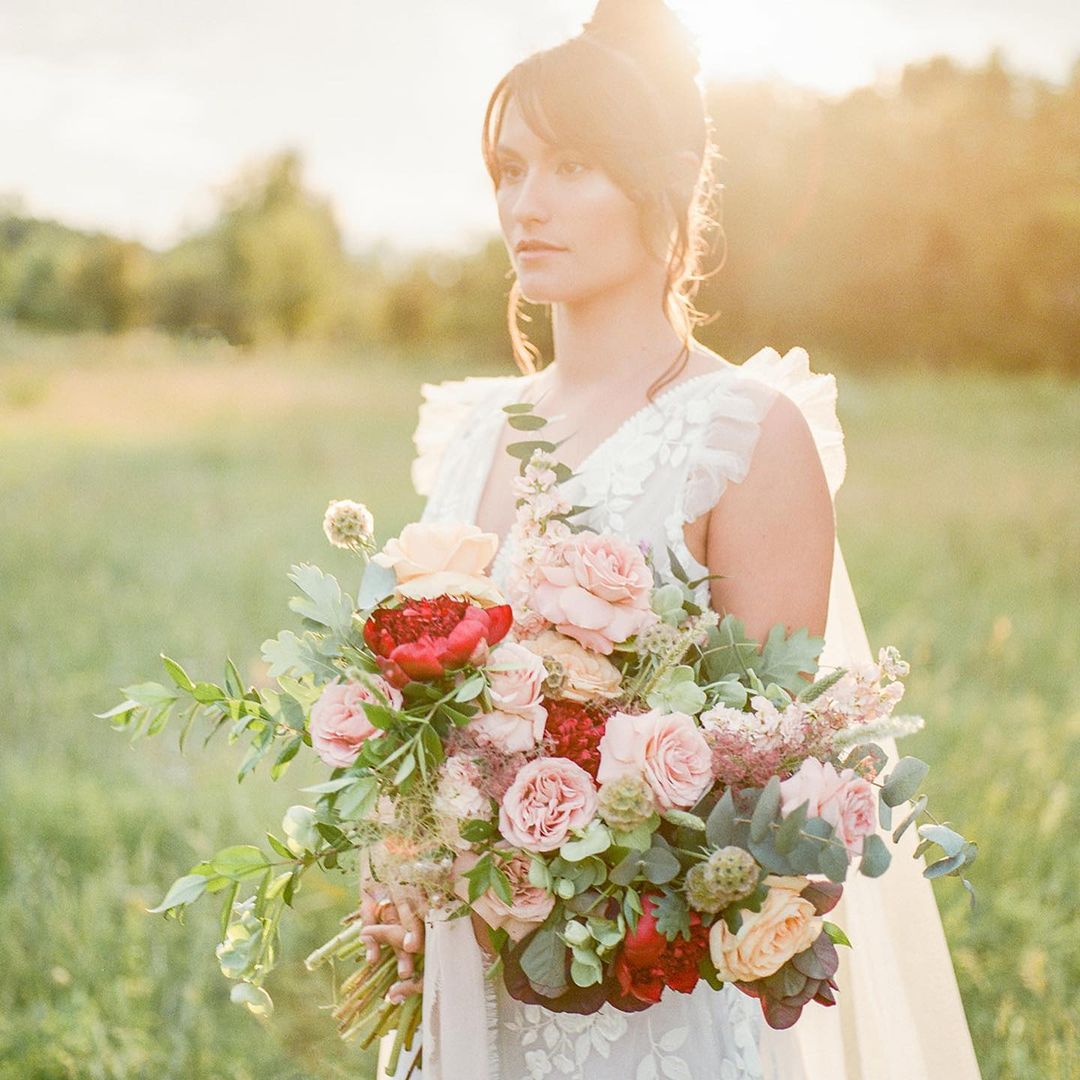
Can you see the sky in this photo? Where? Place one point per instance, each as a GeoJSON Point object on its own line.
{"type": "Point", "coordinates": [132, 115]}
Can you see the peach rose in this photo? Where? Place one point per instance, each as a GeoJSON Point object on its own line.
{"type": "Point", "coordinates": [586, 675]}
{"type": "Point", "coordinates": [529, 905]}
{"type": "Point", "coordinates": [338, 723]}
{"type": "Point", "coordinates": [667, 749]}
{"type": "Point", "coordinates": [549, 797]}
{"type": "Point", "coordinates": [432, 559]}
{"type": "Point", "coordinates": [843, 799]}
{"type": "Point", "coordinates": [597, 591]}
{"type": "Point", "coordinates": [769, 938]}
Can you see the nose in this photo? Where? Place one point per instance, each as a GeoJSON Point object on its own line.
{"type": "Point", "coordinates": [531, 202]}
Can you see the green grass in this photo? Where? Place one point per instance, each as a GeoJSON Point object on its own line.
{"type": "Point", "coordinates": [153, 499]}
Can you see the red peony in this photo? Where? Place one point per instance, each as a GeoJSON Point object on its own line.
{"type": "Point", "coordinates": [647, 961]}
{"type": "Point", "coordinates": [423, 639]}
{"type": "Point", "coordinates": [574, 730]}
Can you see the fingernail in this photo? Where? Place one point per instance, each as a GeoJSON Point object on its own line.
{"type": "Point", "coordinates": [409, 940]}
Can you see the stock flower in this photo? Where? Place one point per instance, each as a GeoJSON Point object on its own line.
{"type": "Point", "coordinates": [423, 639]}
{"type": "Point", "coordinates": [432, 559]}
{"type": "Point", "coordinates": [339, 725]}
{"type": "Point", "coordinates": [549, 797]}
{"type": "Point", "coordinates": [349, 524]}
{"type": "Point", "coordinates": [766, 939]}
{"type": "Point", "coordinates": [597, 590]}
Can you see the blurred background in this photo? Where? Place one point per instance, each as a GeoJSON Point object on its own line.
{"type": "Point", "coordinates": [235, 239]}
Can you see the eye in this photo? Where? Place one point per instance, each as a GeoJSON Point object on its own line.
{"type": "Point", "coordinates": [507, 171]}
{"type": "Point", "coordinates": [577, 165]}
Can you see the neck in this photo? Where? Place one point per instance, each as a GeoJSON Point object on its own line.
{"type": "Point", "coordinates": [619, 332]}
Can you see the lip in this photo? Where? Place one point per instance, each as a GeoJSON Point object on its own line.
{"type": "Point", "coordinates": [536, 247]}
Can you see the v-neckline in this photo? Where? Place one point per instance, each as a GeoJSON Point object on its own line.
{"type": "Point", "coordinates": [726, 368]}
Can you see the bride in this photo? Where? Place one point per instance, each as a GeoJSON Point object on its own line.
{"type": "Point", "coordinates": [600, 155]}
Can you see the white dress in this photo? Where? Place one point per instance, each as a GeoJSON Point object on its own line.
{"type": "Point", "coordinates": [665, 466]}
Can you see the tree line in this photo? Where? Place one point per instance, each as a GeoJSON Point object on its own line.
{"type": "Point", "coordinates": [936, 220]}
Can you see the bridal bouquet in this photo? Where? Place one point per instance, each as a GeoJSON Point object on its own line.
{"type": "Point", "coordinates": [629, 792]}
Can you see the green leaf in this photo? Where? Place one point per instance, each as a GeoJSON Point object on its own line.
{"type": "Point", "coordinates": [225, 915]}
{"type": "Point", "coordinates": [330, 785]}
{"type": "Point", "coordinates": [875, 857]}
{"type": "Point", "coordinates": [836, 935]}
{"type": "Point", "coordinates": [672, 915]}
{"type": "Point", "coordinates": [683, 819]}
{"type": "Point", "coordinates": [150, 694]}
{"type": "Point", "coordinates": [788, 833]}
{"type": "Point", "coordinates": [944, 866]}
{"type": "Point", "coordinates": [783, 658]}
{"type": "Point", "coordinates": [470, 688]}
{"type": "Point", "coordinates": [720, 824]}
{"type": "Point", "coordinates": [659, 865]}
{"type": "Point", "coordinates": [906, 824]}
{"type": "Point", "coordinates": [323, 601]}
{"type": "Point", "coordinates": [476, 830]}
{"type": "Point", "coordinates": [833, 861]}
{"type": "Point", "coordinates": [904, 780]}
{"type": "Point", "coordinates": [950, 842]}
{"type": "Point", "coordinates": [526, 422]}
{"type": "Point", "coordinates": [499, 884]}
{"type": "Point", "coordinates": [376, 585]}
{"type": "Point", "coordinates": [595, 839]}
{"type": "Point", "coordinates": [287, 754]}
{"type": "Point", "coordinates": [768, 805]}
{"type": "Point", "coordinates": [239, 862]}
{"type": "Point", "coordinates": [177, 674]}
{"type": "Point", "coordinates": [279, 847]}
{"type": "Point", "coordinates": [357, 800]}
{"type": "Point", "coordinates": [519, 407]}
{"type": "Point", "coordinates": [184, 890]}
{"type": "Point", "coordinates": [544, 961]}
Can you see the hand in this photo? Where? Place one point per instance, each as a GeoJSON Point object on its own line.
{"type": "Point", "coordinates": [389, 917]}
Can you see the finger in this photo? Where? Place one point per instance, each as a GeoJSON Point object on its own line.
{"type": "Point", "coordinates": [384, 934]}
{"type": "Point", "coordinates": [405, 966]}
{"type": "Point", "coordinates": [413, 939]}
{"type": "Point", "coordinates": [401, 990]}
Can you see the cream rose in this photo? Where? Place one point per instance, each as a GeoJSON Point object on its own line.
{"type": "Point", "coordinates": [529, 905]}
{"type": "Point", "coordinates": [432, 559]}
{"type": "Point", "coordinates": [597, 591]}
{"type": "Point", "coordinates": [769, 938]}
{"type": "Point", "coordinates": [586, 675]}
{"type": "Point", "coordinates": [549, 797]}
{"type": "Point", "coordinates": [667, 749]}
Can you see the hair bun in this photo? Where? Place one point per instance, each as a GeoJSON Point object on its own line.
{"type": "Point", "coordinates": [650, 32]}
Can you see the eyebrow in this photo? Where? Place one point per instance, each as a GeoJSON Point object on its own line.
{"type": "Point", "coordinates": [506, 151]}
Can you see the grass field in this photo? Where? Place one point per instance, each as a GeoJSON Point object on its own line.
{"type": "Point", "coordinates": [153, 498]}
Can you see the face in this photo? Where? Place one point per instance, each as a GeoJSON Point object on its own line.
{"type": "Point", "coordinates": [552, 194]}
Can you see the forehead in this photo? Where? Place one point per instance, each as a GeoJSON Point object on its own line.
{"type": "Point", "coordinates": [517, 139]}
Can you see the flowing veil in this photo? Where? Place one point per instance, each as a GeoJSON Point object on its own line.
{"type": "Point", "coordinates": [898, 1014]}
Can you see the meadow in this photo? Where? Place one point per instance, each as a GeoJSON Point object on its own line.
{"type": "Point", "coordinates": [152, 498]}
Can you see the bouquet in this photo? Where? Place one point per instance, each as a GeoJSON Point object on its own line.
{"type": "Point", "coordinates": [630, 793]}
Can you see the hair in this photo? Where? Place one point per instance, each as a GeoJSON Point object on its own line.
{"type": "Point", "coordinates": [624, 91]}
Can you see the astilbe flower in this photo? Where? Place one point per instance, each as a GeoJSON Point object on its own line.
{"type": "Point", "coordinates": [573, 730]}
{"type": "Point", "coordinates": [496, 768]}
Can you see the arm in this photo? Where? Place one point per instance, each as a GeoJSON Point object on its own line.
{"type": "Point", "coordinates": [772, 535]}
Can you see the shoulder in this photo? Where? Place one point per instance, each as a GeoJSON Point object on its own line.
{"type": "Point", "coordinates": [445, 407]}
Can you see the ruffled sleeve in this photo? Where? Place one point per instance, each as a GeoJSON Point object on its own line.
{"type": "Point", "coordinates": [444, 408]}
{"type": "Point", "coordinates": [815, 394]}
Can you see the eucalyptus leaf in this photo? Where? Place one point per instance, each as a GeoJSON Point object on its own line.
{"type": "Point", "coordinates": [875, 857]}
{"type": "Point", "coordinates": [904, 780]}
{"type": "Point", "coordinates": [768, 805]}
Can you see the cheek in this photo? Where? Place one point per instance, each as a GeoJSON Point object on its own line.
{"type": "Point", "coordinates": [606, 223]}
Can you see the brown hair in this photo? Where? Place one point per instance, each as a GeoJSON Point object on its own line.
{"type": "Point", "coordinates": [624, 91]}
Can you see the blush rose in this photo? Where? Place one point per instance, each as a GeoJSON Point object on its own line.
{"type": "Point", "coordinates": [548, 797]}
{"type": "Point", "coordinates": [338, 723]}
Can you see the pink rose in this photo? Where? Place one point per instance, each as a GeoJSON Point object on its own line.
{"type": "Point", "coordinates": [549, 797]}
{"type": "Point", "coordinates": [843, 799]}
{"type": "Point", "coordinates": [667, 749]}
{"type": "Point", "coordinates": [338, 722]}
{"type": "Point", "coordinates": [597, 591]}
{"type": "Point", "coordinates": [529, 905]}
{"type": "Point", "coordinates": [855, 809]}
{"type": "Point", "coordinates": [510, 732]}
{"type": "Point", "coordinates": [516, 675]}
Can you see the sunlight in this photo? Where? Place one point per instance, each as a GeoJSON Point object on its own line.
{"type": "Point", "coordinates": [823, 45]}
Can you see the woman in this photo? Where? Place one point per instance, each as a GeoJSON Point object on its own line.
{"type": "Point", "coordinates": [600, 156]}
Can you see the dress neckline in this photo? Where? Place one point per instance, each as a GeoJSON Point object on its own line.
{"type": "Point", "coordinates": [725, 368]}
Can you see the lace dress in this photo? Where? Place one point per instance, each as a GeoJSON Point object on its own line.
{"type": "Point", "coordinates": [665, 466]}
